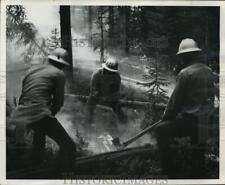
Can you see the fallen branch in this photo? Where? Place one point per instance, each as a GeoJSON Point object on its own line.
{"type": "Point", "coordinates": [149, 83]}
{"type": "Point", "coordinates": [123, 103]}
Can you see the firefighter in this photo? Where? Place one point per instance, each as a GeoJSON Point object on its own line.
{"type": "Point", "coordinates": [188, 110]}
{"type": "Point", "coordinates": [41, 98]}
{"type": "Point", "coordinates": [105, 89]}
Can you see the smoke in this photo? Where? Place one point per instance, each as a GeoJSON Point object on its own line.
{"type": "Point", "coordinates": [133, 127]}
{"type": "Point", "coordinates": [14, 52]}
{"type": "Point", "coordinates": [84, 55]}
{"type": "Point", "coordinates": [45, 17]}
{"type": "Point", "coordinates": [97, 138]}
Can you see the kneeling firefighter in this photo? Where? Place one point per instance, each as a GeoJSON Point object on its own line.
{"type": "Point", "coordinates": [105, 88]}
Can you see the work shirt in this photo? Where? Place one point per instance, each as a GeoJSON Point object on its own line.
{"type": "Point", "coordinates": [106, 86]}
{"type": "Point", "coordinates": [193, 94]}
{"type": "Point", "coordinates": [42, 95]}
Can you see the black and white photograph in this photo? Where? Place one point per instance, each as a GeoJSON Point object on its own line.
{"type": "Point", "coordinates": [112, 92]}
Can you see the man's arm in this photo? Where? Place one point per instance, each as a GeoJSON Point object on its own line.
{"type": "Point", "coordinates": [176, 99]}
{"type": "Point", "coordinates": [95, 85]}
{"type": "Point", "coordinates": [216, 85]}
{"type": "Point", "coordinates": [58, 94]}
{"type": "Point", "coordinates": [115, 88]}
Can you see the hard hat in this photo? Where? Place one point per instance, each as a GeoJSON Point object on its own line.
{"type": "Point", "coordinates": [111, 65]}
{"type": "Point", "coordinates": [188, 45]}
{"type": "Point", "coordinates": [59, 55]}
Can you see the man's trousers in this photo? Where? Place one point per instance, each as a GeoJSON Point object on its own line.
{"type": "Point", "coordinates": [49, 126]}
{"type": "Point", "coordinates": [184, 127]}
{"type": "Point", "coordinates": [114, 104]}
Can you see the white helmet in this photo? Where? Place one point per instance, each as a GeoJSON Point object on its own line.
{"type": "Point", "coordinates": [59, 55]}
{"type": "Point", "coordinates": [188, 45]}
{"type": "Point", "coordinates": [111, 65]}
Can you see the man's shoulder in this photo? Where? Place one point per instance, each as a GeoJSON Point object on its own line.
{"type": "Point", "coordinates": [194, 69]}
{"type": "Point", "coordinates": [52, 70]}
{"type": "Point", "coordinates": [98, 72]}
{"type": "Point", "coordinates": [118, 76]}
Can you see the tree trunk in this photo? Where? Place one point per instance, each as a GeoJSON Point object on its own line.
{"type": "Point", "coordinates": [102, 35]}
{"type": "Point", "coordinates": [90, 22]}
{"type": "Point", "coordinates": [66, 42]}
{"type": "Point", "coordinates": [111, 21]}
{"type": "Point", "coordinates": [144, 25]}
{"type": "Point", "coordinates": [123, 103]}
{"type": "Point", "coordinates": [206, 39]}
{"type": "Point", "coordinates": [127, 25]}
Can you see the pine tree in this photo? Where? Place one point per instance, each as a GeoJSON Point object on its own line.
{"type": "Point", "coordinates": [99, 37]}
{"type": "Point", "coordinates": [23, 32]}
{"type": "Point", "coordinates": [127, 29]}
{"type": "Point", "coordinates": [111, 21]}
{"type": "Point", "coordinates": [54, 40]}
{"type": "Point", "coordinates": [101, 24]}
{"type": "Point", "coordinates": [157, 93]}
{"type": "Point", "coordinates": [17, 26]}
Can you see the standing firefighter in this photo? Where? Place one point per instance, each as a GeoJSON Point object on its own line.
{"type": "Point", "coordinates": [105, 88]}
{"type": "Point", "coordinates": [41, 98]}
{"type": "Point", "coordinates": [188, 110]}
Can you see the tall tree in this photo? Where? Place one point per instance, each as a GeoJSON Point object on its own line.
{"type": "Point", "coordinates": [111, 21]}
{"type": "Point", "coordinates": [66, 41]}
{"type": "Point", "coordinates": [23, 32]}
{"type": "Point", "coordinates": [156, 92]}
{"type": "Point", "coordinates": [127, 29]}
{"type": "Point", "coordinates": [54, 40]}
{"type": "Point", "coordinates": [17, 26]}
{"type": "Point", "coordinates": [90, 16]}
{"type": "Point", "coordinates": [101, 23]}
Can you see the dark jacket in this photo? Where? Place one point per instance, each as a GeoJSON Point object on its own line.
{"type": "Point", "coordinates": [194, 92]}
{"type": "Point", "coordinates": [105, 85]}
{"type": "Point", "coordinates": [42, 95]}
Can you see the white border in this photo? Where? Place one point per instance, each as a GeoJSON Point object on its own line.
{"type": "Point", "coordinates": [3, 181]}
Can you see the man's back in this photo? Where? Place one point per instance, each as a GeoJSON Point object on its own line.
{"type": "Point", "coordinates": [42, 94]}
{"type": "Point", "coordinates": [199, 94]}
{"type": "Point", "coordinates": [105, 84]}
{"type": "Point", "coordinates": [194, 92]}
{"type": "Point", "coordinates": [39, 84]}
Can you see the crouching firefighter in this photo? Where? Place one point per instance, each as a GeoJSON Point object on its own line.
{"type": "Point", "coordinates": [41, 98]}
{"type": "Point", "coordinates": [188, 110]}
{"type": "Point", "coordinates": [105, 89]}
